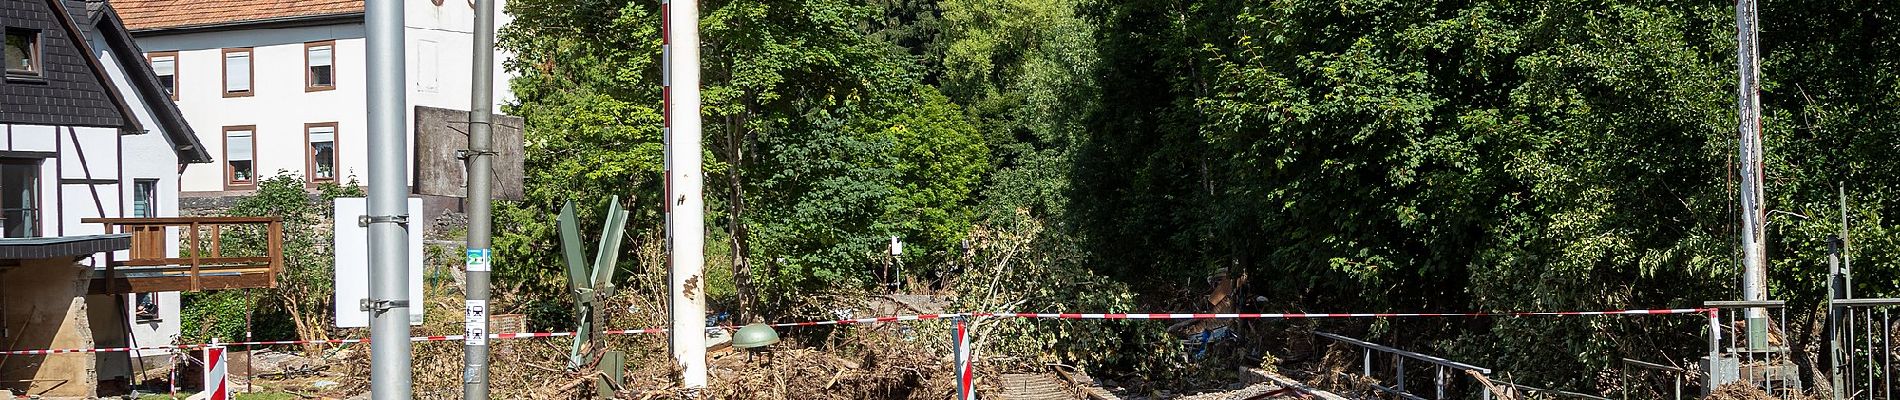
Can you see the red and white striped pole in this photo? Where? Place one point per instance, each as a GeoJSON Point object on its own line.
{"type": "Point", "coordinates": [684, 205]}
{"type": "Point", "coordinates": [173, 382]}
{"type": "Point", "coordinates": [217, 385]}
{"type": "Point", "coordinates": [965, 359]}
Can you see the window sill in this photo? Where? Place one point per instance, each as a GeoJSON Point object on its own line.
{"type": "Point", "coordinates": [238, 94]}
{"type": "Point", "coordinates": [309, 89]}
{"type": "Point", "coordinates": [32, 79]}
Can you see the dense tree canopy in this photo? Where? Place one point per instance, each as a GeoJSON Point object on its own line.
{"type": "Point", "coordinates": [1350, 155]}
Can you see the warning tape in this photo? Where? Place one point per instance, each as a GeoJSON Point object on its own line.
{"type": "Point", "coordinates": [1332, 315]}
{"type": "Point", "coordinates": [898, 318]}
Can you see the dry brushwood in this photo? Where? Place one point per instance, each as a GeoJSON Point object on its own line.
{"type": "Point", "coordinates": [1739, 391]}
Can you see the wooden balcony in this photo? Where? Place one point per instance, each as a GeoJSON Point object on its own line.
{"type": "Point", "coordinates": [214, 253]}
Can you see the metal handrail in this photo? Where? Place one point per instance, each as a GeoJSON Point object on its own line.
{"type": "Point", "coordinates": [1745, 303]}
{"type": "Point", "coordinates": [1866, 302]}
{"type": "Point", "coordinates": [1439, 380]}
{"type": "Point", "coordinates": [1407, 354]}
{"type": "Point", "coordinates": [1678, 373]}
{"type": "Point", "coordinates": [1651, 365]}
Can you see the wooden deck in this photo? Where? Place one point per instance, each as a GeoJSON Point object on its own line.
{"type": "Point", "coordinates": [215, 253]}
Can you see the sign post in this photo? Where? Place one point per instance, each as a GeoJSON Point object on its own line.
{"type": "Point", "coordinates": [217, 384]}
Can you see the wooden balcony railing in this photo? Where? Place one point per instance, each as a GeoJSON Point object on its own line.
{"type": "Point", "coordinates": [205, 262]}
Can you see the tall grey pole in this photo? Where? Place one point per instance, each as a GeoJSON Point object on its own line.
{"type": "Point", "coordinates": [1847, 243]}
{"type": "Point", "coordinates": [1835, 283]}
{"type": "Point", "coordinates": [1754, 216]}
{"type": "Point", "coordinates": [481, 108]}
{"type": "Point", "coordinates": [685, 204]}
{"type": "Point", "coordinates": [388, 203]}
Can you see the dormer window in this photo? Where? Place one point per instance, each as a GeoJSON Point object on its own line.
{"type": "Point", "coordinates": [22, 55]}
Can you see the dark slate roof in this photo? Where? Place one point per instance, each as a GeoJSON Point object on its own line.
{"type": "Point", "coordinates": [62, 246]}
{"type": "Point", "coordinates": [74, 89]}
{"type": "Point", "coordinates": [144, 81]}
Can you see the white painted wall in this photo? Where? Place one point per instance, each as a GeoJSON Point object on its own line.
{"type": "Point", "coordinates": [280, 107]}
{"type": "Point", "coordinates": [147, 156]}
{"type": "Point", "coordinates": [62, 206]}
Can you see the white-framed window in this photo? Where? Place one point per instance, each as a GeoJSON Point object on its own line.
{"type": "Point", "coordinates": [320, 144]}
{"type": "Point", "coordinates": [20, 197]}
{"type": "Point", "coordinates": [319, 66]}
{"type": "Point", "coordinates": [22, 54]}
{"type": "Point", "coordinates": [428, 65]}
{"type": "Point", "coordinates": [146, 308]}
{"type": "Point", "coordinates": [240, 155]}
{"type": "Point", "coordinates": [145, 198]}
{"type": "Point", "coordinates": [165, 65]}
{"type": "Point", "coordinates": [238, 76]}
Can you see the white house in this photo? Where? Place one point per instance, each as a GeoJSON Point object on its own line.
{"type": "Point", "coordinates": [278, 86]}
{"type": "Point", "coordinates": [88, 136]}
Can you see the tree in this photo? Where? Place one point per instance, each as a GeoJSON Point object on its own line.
{"type": "Point", "coordinates": [302, 301]}
{"type": "Point", "coordinates": [808, 117]}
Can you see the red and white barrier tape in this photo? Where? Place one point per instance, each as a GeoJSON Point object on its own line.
{"type": "Point", "coordinates": [1331, 315]}
{"type": "Point", "coordinates": [902, 318]}
{"type": "Point", "coordinates": [919, 317]}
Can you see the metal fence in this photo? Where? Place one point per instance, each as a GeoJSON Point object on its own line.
{"type": "Point", "coordinates": [1862, 342]}
{"type": "Point", "coordinates": [1648, 380]}
{"type": "Point", "coordinates": [1390, 372]}
{"type": "Point", "coordinates": [1748, 342]}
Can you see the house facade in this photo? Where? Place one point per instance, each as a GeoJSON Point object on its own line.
{"type": "Point", "coordinates": [88, 135]}
{"type": "Point", "coordinates": [278, 86]}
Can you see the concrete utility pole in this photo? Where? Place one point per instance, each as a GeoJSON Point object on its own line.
{"type": "Point", "coordinates": [685, 205]}
{"type": "Point", "coordinates": [480, 156]}
{"type": "Point", "coordinates": [1754, 216]}
{"type": "Point", "coordinates": [388, 301]}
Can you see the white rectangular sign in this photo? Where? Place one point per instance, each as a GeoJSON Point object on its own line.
{"type": "Point", "coordinates": [352, 262]}
{"type": "Point", "coordinates": [475, 323]}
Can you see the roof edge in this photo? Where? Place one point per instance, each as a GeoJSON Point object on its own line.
{"type": "Point", "coordinates": [130, 124]}
{"type": "Point", "coordinates": [144, 80]}
{"type": "Point", "coordinates": [274, 22]}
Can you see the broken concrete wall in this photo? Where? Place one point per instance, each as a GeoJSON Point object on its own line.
{"type": "Point", "coordinates": [107, 317]}
{"type": "Point", "coordinates": [45, 308]}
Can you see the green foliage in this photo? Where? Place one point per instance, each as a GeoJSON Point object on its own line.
{"type": "Point", "coordinates": [212, 315]}
{"type": "Point", "coordinates": [300, 306]}
{"type": "Point", "coordinates": [828, 138]}
{"type": "Point", "coordinates": [1349, 155]}
{"type": "Point", "coordinates": [587, 87]}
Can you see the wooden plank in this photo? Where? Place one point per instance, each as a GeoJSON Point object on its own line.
{"type": "Point", "coordinates": [217, 241]}
{"type": "Point", "coordinates": [1286, 382]}
{"type": "Point", "coordinates": [195, 263]}
{"type": "Point", "coordinates": [150, 245]}
{"type": "Point", "coordinates": [110, 266]}
{"type": "Point", "coordinates": [180, 220]}
{"type": "Point", "coordinates": [148, 242]}
{"type": "Point", "coordinates": [184, 262]}
{"type": "Point", "coordinates": [276, 244]}
{"type": "Point", "coordinates": [180, 283]}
